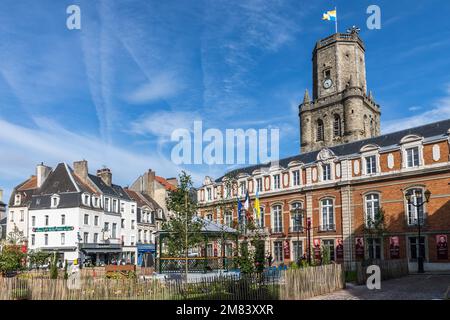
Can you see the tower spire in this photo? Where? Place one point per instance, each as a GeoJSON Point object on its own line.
{"type": "Point", "coordinates": [306, 98]}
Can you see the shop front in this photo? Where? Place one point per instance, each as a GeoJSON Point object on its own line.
{"type": "Point", "coordinates": [146, 255]}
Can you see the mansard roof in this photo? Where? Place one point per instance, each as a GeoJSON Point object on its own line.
{"type": "Point", "coordinates": [113, 190]}
{"type": "Point", "coordinates": [386, 141]}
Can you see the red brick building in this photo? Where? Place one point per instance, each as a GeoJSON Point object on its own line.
{"type": "Point", "coordinates": [344, 188]}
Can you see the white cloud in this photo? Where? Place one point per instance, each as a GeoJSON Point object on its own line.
{"type": "Point", "coordinates": [437, 111]}
{"type": "Point", "coordinates": [160, 87]}
{"type": "Point", "coordinates": [51, 143]}
{"type": "Point", "coordinates": [161, 124]}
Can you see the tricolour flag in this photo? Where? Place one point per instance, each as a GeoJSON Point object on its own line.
{"type": "Point", "coordinates": [247, 201]}
{"type": "Point", "coordinates": [330, 15]}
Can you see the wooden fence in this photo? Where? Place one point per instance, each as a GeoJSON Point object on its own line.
{"type": "Point", "coordinates": [292, 284]}
{"type": "Point", "coordinates": [309, 282]}
{"type": "Point", "coordinates": [389, 269]}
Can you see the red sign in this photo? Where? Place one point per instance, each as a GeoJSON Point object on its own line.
{"type": "Point", "coordinates": [442, 246]}
{"type": "Point", "coordinates": [316, 243]}
{"type": "Point", "coordinates": [340, 249]}
{"type": "Point", "coordinates": [394, 247]}
{"type": "Point", "coordinates": [359, 247]}
{"type": "Point", "coordinates": [287, 250]}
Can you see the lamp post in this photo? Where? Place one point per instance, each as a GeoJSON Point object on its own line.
{"type": "Point", "coordinates": [416, 204]}
{"type": "Point", "coordinates": [298, 215]}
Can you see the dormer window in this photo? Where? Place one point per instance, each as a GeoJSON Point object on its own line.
{"type": "Point", "coordinates": [106, 204]}
{"type": "Point", "coordinates": [412, 157]}
{"type": "Point", "coordinates": [259, 185]}
{"type": "Point", "coordinates": [208, 191]}
{"type": "Point", "coordinates": [86, 198]}
{"type": "Point", "coordinates": [296, 178]}
{"type": "Point", "coordinates": [276, 182]}
{"type": "Point", "coordinates": [95, 202]}
{"type": "Point", "coordinates": [243, 188]}
{"type": "Point", "coordinates": [17, 200]}
{"type": "Point", "coordinates": [326, 172]}
{"type": "Point", "coordinates": [371, 164]}
{"type": "Point", "coordinates": [55, 201]}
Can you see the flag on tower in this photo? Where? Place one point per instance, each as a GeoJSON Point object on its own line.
{"type": "Point", "coordinates": [331, 16]}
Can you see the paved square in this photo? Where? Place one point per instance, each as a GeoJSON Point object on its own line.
{"type": "Point", "coordinates": [412, 287]}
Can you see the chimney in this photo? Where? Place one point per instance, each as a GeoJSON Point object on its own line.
{"type": "Point", "coordinates": [81, 169]}
{"type": "Point", "coordinates": [106, 175]}
{"type": "Point", "coordinates": [1, 195]}
{"type": "Point", "coordinates": [42, 173]}
{"type": "Point", "coordinates": [149, 183]}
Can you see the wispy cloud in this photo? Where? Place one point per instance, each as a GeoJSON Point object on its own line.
{"type": "Point", "coordinates": [160, 87]}
{"type": "Point", "coordinates": [437, 111]}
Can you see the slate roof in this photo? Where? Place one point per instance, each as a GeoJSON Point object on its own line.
{"type": "Point", "coordinates": [26, 190]}
{"type": "Point", "coordinates": [144, 200]}
{"type": "Point", "coordinates": [428, 131]}
{"type": "Point", "coordinates": [113, 190]}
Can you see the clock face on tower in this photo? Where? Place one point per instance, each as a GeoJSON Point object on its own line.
{"type": "Point", "coordinates": [327, 83]}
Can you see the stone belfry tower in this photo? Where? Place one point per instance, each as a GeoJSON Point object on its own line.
{"type": "Point", "coordinates": [341, 110]}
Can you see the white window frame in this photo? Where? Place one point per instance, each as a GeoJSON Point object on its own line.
{"type": "Point", "coordinates": [412, 221]}
{"type": "Point", "coordinates": [326, 207]}
{"type": "Point", "coordinates": [275, 185]}
{"type": "Point", "coordinates": [372, 206]}
{"type": "Point", "coordinates": [259, 184]}
{"type": "Point", "coordinates": [296, 174]}
{"type": "Point", "coordinates": [63, 239]}
{"type": "Point", "coordinates": [292, 220]}
{"type": "Point", "coordinates": [55, 201]}
{"type": "Point", "coordinates": [277, 223]}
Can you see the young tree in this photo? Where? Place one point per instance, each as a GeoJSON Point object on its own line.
{"type": "Point", "coordinates": [38, 258]}
{"type": "Point", "coordinates": [183, 228]}
{"type": "Point", "coordinates": [11, 259]}
{"type": "Point", "coordinates": [15, 237]}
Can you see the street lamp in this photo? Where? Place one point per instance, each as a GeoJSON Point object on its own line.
{"type": "Point", "coordinates": [416, 204]}
{"type": "Point", "coordinates": [298, 215]}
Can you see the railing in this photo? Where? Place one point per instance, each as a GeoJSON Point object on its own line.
{"type": "Point", "coordinates": [327, 227]}
{"type": "Point", "coordinates": [283, 284]}
{"type": "Point", "coordinates": [276, 230]}
{"type": "Point", "coordinates": [197, 264]}
{"type": "Point", "coordinates": [389, 269]}
{"type": "Point", "coordinates": [296, 229]}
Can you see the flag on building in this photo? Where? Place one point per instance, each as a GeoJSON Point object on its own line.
{"type": "Point", "coordinates": [239, 209]}
{"type": "Point", "coordinates": [257, 207]}
{"type": "Point", "coordinates": [247, 201]}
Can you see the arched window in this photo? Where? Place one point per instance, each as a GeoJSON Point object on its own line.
{"type": "Point", "coordinates": [296, 217]}
{"type": "Point", "coordinates": [337, 126]}
{"type": "Point", "coordinates": [260, 221]}
{"type": "Point", "coordinates": [415, 212]}
{"type": "Point", "coordinates": [327, 215]}
{"type": "Point", "coordinates": [320, 129]}
{"type": "Point", "coordinates": [277, 219]}
{"type": "Point", "coordinates": [372, 209]}
{"type": "Point", "coordinates": [229, 218]}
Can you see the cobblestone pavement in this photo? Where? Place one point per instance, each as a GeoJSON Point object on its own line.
{"type": "Point", "coordinates": [412, 287]}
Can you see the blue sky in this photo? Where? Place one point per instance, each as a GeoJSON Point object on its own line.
{"type": "Point", "coordinates": [112, 92]}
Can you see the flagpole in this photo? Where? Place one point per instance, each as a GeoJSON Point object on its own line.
{"type": "Point", "coordinates": [336, 22]}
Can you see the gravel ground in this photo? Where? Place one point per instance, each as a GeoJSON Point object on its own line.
{"type": "Point", "coordinates": [412, 287]}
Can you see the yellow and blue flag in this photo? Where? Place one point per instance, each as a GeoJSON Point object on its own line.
{"type": "Point", "coordinates": [330, 15]}
{"type": "Point", "coordinates": [257, 207]}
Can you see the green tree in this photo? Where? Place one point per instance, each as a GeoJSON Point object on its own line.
{"type": "Point", "coordinates": [183, 224]}
{"type": "Point", "coordinates": [11, 259]}
{"type": "Point", "coordinates": [38, 258]}
{"type": "Point", "coordinates": [54, 267]}
{"type": "Point", "coordinates": [259, 255]}
{"type": "Point", "coordinates": [245, 260]}
{"type": "Point", "coordinates": [326, 257]}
